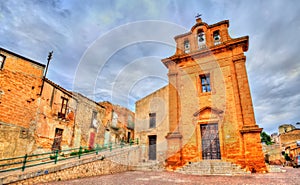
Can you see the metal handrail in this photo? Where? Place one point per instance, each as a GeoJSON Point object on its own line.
{"type": "Point", "coordinates": [55, 156]}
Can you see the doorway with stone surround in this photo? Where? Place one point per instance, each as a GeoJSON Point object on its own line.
{"type": "Point", "coordinates": [210, 141]}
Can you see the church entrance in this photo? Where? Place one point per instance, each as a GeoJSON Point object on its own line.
{"type": "Point", "coordinates": [210, 141]}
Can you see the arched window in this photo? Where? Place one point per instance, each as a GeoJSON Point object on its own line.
{"type": "Point", "coordinates": [186, 46]}
{"type": "Point", "coordinates": [201, 39]}
{"type": "Point", "coordinates": [217, 37]}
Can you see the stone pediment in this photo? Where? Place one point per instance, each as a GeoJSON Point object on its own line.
{"type": "Point", "coordinates": [208, 113]}
{"type": "Point", "coordinates": [208, 109]}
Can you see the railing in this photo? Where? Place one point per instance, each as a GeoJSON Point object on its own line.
{"type": "Point", "coordinates": [27, 161]}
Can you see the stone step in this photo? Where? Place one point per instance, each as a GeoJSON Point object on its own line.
{"type": "Point", "coordinates": [213, 167]}
{"type": "Point", "coordinates": [275, 169]}
{"type": "Point", "coordinates": [149, 166]}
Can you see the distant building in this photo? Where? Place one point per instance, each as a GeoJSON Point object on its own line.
{"type": "Point", "coordinates": [286, 142]}
{"type": "Point", "coordinates": [285, 128]}
{"type": "Point", "coordinates": [205, 112]}
{"type": "Point", "coordinates": [119, 123]}
{"type": "Point", "coordinates": [289, 141]}
{"type": "Point", "coordinates": [275, 138]}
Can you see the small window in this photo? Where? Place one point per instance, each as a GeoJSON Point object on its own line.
{"type": "Point", "coordinates": [152, 117]}
{"type": "Point", "coordinates": [2, 59]}
{"type": "Point", "coordinates": [114, 122]}
{"type": "Point", "coordinates": [94, 123]}
{"type": "Point", "coordinates": [186, 46]}
{"type": "Point", "coordinates": [217, 37]}
{"type": "Point", "coordinates": [205, 83]}
{"type": "Point", "coordinates": [64, 107]}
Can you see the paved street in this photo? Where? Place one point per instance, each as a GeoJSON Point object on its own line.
{"type": "Point", "coordinates": [292, 176]}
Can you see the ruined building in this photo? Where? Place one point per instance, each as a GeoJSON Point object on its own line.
{"type": "Point", "coordinates": [119, 123]}
{"type": "Point", "coordinates": [205, 112]}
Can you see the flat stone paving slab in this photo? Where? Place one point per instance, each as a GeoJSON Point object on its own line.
{"type": "Point", "coordinates": [291, 176]}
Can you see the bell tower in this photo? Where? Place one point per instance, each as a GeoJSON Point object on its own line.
{"type": "Point", "coordinates": [210, 107]}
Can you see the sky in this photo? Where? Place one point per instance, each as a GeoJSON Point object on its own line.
{"type": "Point", "coordinates": [112, 50]}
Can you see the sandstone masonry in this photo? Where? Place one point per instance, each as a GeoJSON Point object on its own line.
{"type": "Point", "coordinates": [210, 114]}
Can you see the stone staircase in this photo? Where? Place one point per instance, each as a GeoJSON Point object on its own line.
{"type": "Point", "coordinates": [275, 169]}
{"type": "Point", "coordinates": [149, 166]}
{"type": "Point", "coordinates": [212, 167]}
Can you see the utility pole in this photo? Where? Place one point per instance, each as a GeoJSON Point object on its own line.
{"type": "Point", "coordinates": [45, 73]}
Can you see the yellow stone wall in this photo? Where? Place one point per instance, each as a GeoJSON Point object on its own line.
{"type": "Point", "coordinates": [156, 102]}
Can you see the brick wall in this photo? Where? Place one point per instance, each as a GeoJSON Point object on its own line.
{"type": "Point", "coordinates": [20, 82]}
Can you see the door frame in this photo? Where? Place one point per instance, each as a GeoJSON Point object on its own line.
{"type": "Point", "coordinates": [153, 147]}
{"type": "Point", "coordinates": [210, 140]}
{"type": "Point", "coordinates": [199, 137]}
{"type": "Point", "coordinates": [56, 145]}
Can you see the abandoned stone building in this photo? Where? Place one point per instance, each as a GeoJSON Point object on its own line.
{"type": "Point", "coordinates": [89, 127]}
{"type": "Point", "coordinates": [286, 141]}
{"type": "Point", "coordinates": [67, 120]}
{"type": "Point", "coordinates": [205, 112]}
{"type": "Point", "coordinates": [289, 140]}
{"type": "Point", "coordinates": [56, 118]}
{"type": "Point", "coordinates": [119, 123]}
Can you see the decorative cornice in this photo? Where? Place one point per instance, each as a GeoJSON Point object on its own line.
{"type": "Point", "coordinates": [250, 129]}
{"type": "Point", "coordinates": [239, 58]}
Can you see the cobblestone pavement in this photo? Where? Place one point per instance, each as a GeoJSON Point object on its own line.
{"type": "Point", "coordinates": [291, 176]}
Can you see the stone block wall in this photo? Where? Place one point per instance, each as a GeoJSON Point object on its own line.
{"type": "Point", "coordinates": [290, 136]}
{"type": "Point", "coordinates": [154, 103]}
{"type": "Point", "coordinates": [14, 141]}
{"type": "Point", "coordinates": [116, 161]}
{"type": "Point", "coordinates": [86, 125]}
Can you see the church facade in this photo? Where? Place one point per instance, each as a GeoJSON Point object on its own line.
{"type": "Point", "coordinates": [205, 112]}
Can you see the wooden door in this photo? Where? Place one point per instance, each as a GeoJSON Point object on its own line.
{"type": "Point", "coordinates": [152, 147]}
{"type": "Point", "coordinates": [92, 140]}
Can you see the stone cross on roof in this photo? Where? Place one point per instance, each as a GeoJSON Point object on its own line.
{"type": "Point", "coordinates": [198, 16]}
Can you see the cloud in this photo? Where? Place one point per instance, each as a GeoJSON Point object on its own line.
{"type": "Point", "coordinates": [88, 58]}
